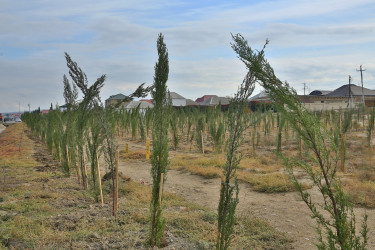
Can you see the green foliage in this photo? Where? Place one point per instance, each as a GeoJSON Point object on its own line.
{"type": "Point", "coordinates": [174, 129]}
{"type": "Point", "coordinates": [370, 126]}
{"type": "Point", "coordinates": [217, 134]}
{"type": "Point", "coordinates": [337, 230]}
{"type": "Point", "coordinates": [229, 187]}
{"type": "Point", "coordinates": [280, 126]}
{"type": "Point", "coordinates": [199, 133]}
{"type": "Point", "coordinates": [159, 158]}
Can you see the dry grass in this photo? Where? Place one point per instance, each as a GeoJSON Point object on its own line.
{"type": "Point", "coordinates": [262, 173]}
{"type": "Point", "coordinates": [188, 220]}
{"type": "Point", "coordinates": [14, 144]}
{"type": "Point", "coordinates": [57, 214]}
{"type": "Point", "coordinates": [207, 167]}
{"type": "Point", "coordinates": [134, 155]}
{"type": "Point", "coordinates": [261, 164]}
{"type": "Point", "coordinates": [361, 192]}
{"type": "Point", "coordinates": [268, 183]}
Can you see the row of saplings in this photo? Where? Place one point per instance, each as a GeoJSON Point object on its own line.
{"type": "Point", "coordinates": [87, 130]}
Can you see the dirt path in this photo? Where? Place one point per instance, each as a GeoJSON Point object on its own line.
{"type": "Point", "coordinates": [284, 211]}
{"type": "Point", "coordinates": [2, 128]}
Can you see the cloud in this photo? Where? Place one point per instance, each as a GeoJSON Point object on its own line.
{"type": "Point", "coordinates": [317, 42]}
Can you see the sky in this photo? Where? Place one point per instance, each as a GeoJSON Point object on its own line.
{"type": "Point", "coordinates": [319, 43]}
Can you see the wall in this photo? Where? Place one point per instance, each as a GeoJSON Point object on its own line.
{"type": "Point", "coordinates": [178, 102]}
{"type": "Point", "coordinates": [328, 106]}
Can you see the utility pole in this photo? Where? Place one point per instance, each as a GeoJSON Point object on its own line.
{"type": "Point", "coordinates": [29, 107]}
{"type": "Point", "coordinates": [350, 92]}
{"type": "Point", "coordinates": [363, 96]}
{"type": "Point", "coordinates": [304, 88]}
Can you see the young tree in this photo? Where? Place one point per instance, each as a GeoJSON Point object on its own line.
{"type": "Point", "coordinates": [236, 126]}
{"type": "Point", "coordinates": [89, 94]}
{"type": "Point", "coordinates": [159, 159]}
{"type": "Point", "coordinates": [338, 229]}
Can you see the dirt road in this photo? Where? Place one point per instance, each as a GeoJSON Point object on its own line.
{"type": "Point", "coordinates": [283, 210]}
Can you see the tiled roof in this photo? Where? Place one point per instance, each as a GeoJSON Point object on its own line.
{"type": "Point", "coordinates": [174, 95]}
{"type": "Point", "coordinates": [354, 91]}
{"type": "Point", "coordinates": [117, 97]}
{"type": "Point", "coordinates": [190, 102]}
{"type": "Point", "coordinates": [204, 98]}
{"type": "Point", "coordinates": [135, 104]}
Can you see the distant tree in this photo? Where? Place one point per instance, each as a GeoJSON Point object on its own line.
{"type": "Point", "coordinates": [70, 93]}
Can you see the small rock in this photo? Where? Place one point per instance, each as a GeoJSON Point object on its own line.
{"type": "Point", "coordinates": [95, 235]}
{"type": "Point", "coordinates": [307, 239]}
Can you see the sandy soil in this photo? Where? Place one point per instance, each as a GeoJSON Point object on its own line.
{"type": "Point", "coordinates": [284, 211]}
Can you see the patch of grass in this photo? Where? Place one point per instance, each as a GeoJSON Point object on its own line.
{"type": "Point", "coordinates": [54, 212]}
{"type": "Point", "coordinates": [268, 183]}
{"type": "Point", "coordinates": [207, 172]}
{"type": "Point", "coordinates": [261, 164]}
{"type": "Point", "coordinates": [260, 172]}
{"type": "Point", "coordinates": [255, 233]}
{"type": "Point", "coordinates": [134, 155]}
{"type": "Point", "coordinates": [27, 232]}
{"type": "Point", "coordinates": [193, 222]}
{"type": "Point", "coordinates": [361, 192]}
{"type": "Point", "coordinates": [206, 167]}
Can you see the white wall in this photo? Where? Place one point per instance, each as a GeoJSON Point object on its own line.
{"type": "Point", "coordinates": [328, 106]}
{"type": "Point", "coordinates": [178, 102]}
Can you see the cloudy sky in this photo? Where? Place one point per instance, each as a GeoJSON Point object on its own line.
{"type": "Point", "coordinates": [317, 42]}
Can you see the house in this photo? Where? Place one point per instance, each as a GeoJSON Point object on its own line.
{"type": "Point", "coordinates": [320, 92]}
{"type": "Point", "coordinates": [180, 101]}
{"type": "Point", "coordinates": [147, 100]}
{"type": "Point", "coordinates": [204, 98]}
{"type": "Point", "coordinates": [63, 108]}
{"type": "Point", "coordinates": [341, 98]}
{"type": "Point", "coordinates": [190, 103]}
{"type": "Point", "coordinates": [177, 100]}
{"type": "Point", "coordinates": [261, 97]}
{"type": "Point", "coordinates": [212, 100]}
{"type": "Point", "coordinates": [135, 104]}
{"type": "Point", "coordinates": [115, 99]}
{"type": "Point", "coordinates": [351, 90]}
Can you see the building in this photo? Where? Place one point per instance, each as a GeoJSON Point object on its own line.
{"type": "Point", "coordinates": [138, 104]}
{"type": "Point", "coordinates": [116, 99]}
{"type": "Point", "coordinates": [320, 92]}
{"type": "Point", "coordinates": [63, 107]}
{"type": "Point", "coordinates": [203, 98]}
{"type": "Point", "coordinates": [180, 101]}
{"type": "Point", "coordinates": [147, 100]}
{"type": "Point", "coordinates": [351, 90]}
{"type": "Point", "coordinates": [213, 100]}
{"type": "Point", "coordinates": [341, 98]}
{"type": "Point", "coordinates": [177, 100]}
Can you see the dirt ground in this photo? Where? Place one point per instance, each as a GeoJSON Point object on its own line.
{"type": "Point", "coordinates": [284, 211]}
{"type": "Point", "coordinates": [2, 128]}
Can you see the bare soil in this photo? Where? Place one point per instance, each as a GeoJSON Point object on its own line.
{"type": "Point", "coordinates": [285, 211]}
